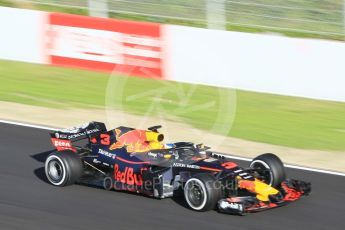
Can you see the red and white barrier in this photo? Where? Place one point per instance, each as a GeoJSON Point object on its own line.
{"type": "Point", "coordinates": [105, 44]}
{"type": "Point", "coordinates": [264, 63]}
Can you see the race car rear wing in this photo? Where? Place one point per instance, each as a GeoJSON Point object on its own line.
{"type": "Point", "coordinates": [62, 139]}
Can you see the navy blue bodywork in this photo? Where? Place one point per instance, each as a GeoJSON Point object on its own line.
{"type": "Point", "coordinates": [161, 173]}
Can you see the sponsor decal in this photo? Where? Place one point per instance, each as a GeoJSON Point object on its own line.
{"type": "Point", "coordinates": [181, 165]}
{"type": "Point", "coordinates": [127, 176]}
{"type": "Point", "coordinates": [107, 154]}
{"type": "Point", "coordinates": [155, 155]}
{"type": "Point", "coordinates": [62, 144]}
{"type": "Point", "coordinates": [92, 131]}
{"type": "Point", "coordinates": [72, 136]}
{"type": "Point", "coordinates": [61, 136]}
{"type": "Point", "coordinates": [76, 134]}
{"type": "Point", "coordinates": [225, 205]}
{"type": "Point", "coordinates": [75, 129]}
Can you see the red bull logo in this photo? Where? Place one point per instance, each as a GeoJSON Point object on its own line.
{"type": "Point", "coordinates": [135, 140]}
{"type": "Point", "coordinates": [127, 176]}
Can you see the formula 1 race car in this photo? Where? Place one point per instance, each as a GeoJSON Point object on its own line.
{"type": "Point", "coordinates": [137, 160]}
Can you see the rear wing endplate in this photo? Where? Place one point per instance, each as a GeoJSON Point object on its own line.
{"type": "Point", "coordinates": [62, 139]}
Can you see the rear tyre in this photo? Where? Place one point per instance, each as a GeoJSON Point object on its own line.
{"type": "Point", "coordinates": [275, 167]}
{"type": "Point", "coordinates": [202, 192]}
{"type": "Point", "coordinates": [63, 168]}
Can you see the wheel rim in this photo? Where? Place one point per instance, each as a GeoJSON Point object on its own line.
{"type": "Point", "coordinates": [267, 174]}
{"type": "Point", "coordinates": [55, 170]}
{"type": "Point", "coordinates": [195, 194]}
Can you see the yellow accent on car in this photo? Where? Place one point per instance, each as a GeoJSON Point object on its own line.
{"type": "Point", "coordinates": [154, 139]}
{"type": "Point", "coordinates": [167, 156]}
{"type": "Point", "coordinates": [154, 136]}
{"type": "Point", "coordinates": [263, 190]}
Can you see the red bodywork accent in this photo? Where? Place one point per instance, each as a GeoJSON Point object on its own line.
{"type": "Point", "coordinates": [93, 140]}
{"type": "Point", "coordinates": [210, 169]}
{"type": "Point", "coordinates": [260, 205]}
{"type": "Point", "coordinates": [247, 184]}
{"type": "Point", "coordinates": [61, 145]}
{"type": "Point", "coordinates": [272, 205]}
{"type": "Point", "coordinates": [105, 139]}
{"type": "Point", "coordinates": [291, 194]}
{"type": "Point", "coordinates": [229, 165]}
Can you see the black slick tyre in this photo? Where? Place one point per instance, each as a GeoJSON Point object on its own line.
{"type": "Point", "coordinates": [63, 168]}
{"type": "Point", "coordinates": [275, 171]}
{"type": "Point", "coordinates": [202, 192]}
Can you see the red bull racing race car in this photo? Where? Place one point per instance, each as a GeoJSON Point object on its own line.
{"type": "Point", "coordinates": [137, 160]}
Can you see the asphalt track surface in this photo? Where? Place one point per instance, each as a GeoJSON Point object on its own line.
{"type": "Point", "coordinates": [27, 201]}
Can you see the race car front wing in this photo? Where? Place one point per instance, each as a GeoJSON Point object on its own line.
{"type": "Point", "coordinates": [290, 190]}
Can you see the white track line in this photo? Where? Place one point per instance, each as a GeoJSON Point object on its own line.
{"type": "Point", "coordinates": [28, 125]}
{"type": "Point", "coordinates": [228, 156]}
{"type": "Point", "coordinates": [288, 165]}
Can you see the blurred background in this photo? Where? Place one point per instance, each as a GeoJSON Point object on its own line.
{"type": "Point", "coordinates": [299, 18]}
{"type": "Point", "coordinates": [244, 76]}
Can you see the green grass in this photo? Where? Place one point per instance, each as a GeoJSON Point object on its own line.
{"type": "Point", "coordinates": [280, 120]}
{"type": "Point", "coordinates": [295, 16]}
{"type": "Point", "coordinates": [290, 121]}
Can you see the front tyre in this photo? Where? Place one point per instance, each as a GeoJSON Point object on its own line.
{"type": "Point", "coordinates": [63, 168]}
{"type": "Point", "coordinates": [202, 192]}
{"type": "Point", "coordinates": [271, 167]}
